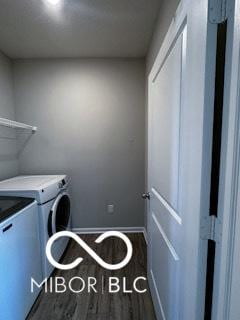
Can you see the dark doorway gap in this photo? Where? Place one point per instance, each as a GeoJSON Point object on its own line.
{"type": "Point", "coordinates": [216, 159]}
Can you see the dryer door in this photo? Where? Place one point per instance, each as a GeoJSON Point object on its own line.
{"type": "Point", "coordinates": [59, 217]}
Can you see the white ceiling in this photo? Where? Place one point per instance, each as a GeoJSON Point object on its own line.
{"type": "Point", "coordinates": [77, 28]}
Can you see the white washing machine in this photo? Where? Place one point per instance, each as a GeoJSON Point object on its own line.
{"type": "Point", "coordinates": [51, 194]}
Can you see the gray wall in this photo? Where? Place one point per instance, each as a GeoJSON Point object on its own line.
{"type": "Point", "coordinates": [90, 115]}
{"type": "Point", "coordinates": [166, 14]}
{"type": "Point", "coordinates": [8, 146]}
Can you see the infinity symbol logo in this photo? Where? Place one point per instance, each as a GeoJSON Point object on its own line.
{"type": "Point", "coordinates": [89, 250]}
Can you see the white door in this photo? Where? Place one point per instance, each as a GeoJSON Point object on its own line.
{"type": "Point", "coordinates": [180, 116]}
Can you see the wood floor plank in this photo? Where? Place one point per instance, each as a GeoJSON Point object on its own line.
{"type": "Point", "coordinates": [101, 305]}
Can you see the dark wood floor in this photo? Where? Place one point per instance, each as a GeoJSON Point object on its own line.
{"type": "Point", "coordinates": [99, 306]}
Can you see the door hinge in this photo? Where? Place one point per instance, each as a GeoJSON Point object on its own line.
{"type": "Point", "coordinates": [211, 229]}
{"type": "Point", "coordinates": [217, 11]}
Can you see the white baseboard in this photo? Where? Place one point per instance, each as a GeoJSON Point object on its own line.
{"type": "Point", "coordinates": [101, 230]}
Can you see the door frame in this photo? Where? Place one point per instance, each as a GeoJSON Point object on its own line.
{"type": "Point", "coordinates": [225, 306]}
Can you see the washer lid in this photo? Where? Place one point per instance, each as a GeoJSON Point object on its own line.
{"type": "Point", "coordinates": [30, 183]}
{"type": "Point", "coordinates": [11, 205]}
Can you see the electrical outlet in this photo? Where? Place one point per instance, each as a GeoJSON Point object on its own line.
{"type": "Point", "coordinates": [110, 209]}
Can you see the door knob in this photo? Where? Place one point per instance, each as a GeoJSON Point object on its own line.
{"type": "Point", "coordinates": [146, 195]}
